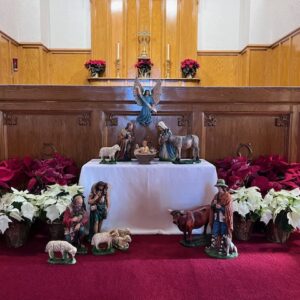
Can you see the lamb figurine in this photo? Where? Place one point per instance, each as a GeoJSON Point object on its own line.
{"type": "Point", "coordinates": [122, 242]}
{"type": "Point", "coordinates": [120, 232]}
{"type": "Point", "coordinates": [109, 152]}
{"type": "Point", "coordinates": [230, 247]}
{"type": "Point", "coordinates": [121, 238]}
{"type": "Point", "coordinates": [102, 238]}
{"type": "Point", "coordinates": [63, 247]}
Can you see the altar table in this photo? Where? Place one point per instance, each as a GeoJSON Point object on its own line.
{"type": "Point", "coordinates": [140, 195]}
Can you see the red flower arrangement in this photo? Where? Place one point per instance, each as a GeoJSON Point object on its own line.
{"type": "Point", "coordinates": [189, 67]}
{"type": "Point", "coordinates": [266, 172]}
{"type": "Point", "coordinates": [144, 66]}
{"type": "Point", "coordinates": [95, 66]}
{"type": "Point", "coordinates": [36, 174]}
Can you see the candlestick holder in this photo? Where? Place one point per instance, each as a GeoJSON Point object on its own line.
{"type": "Point", "coordinates": [168, 68]}
{"type": "Point", "coordinates": [118, 66]}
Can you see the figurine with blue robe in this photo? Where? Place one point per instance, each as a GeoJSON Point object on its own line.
{"type": "Point", "coordinates": [148, 100]}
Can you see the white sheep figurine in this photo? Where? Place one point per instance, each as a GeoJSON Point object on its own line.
{"type": "Point", "coordinates": [60, 246]}
{"type": "Point", "coordinates": [102, 238]}
{"type": "Point", "coordinates": [109, 152]}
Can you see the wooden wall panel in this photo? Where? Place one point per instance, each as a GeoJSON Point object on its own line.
{"type": "Point", "coordinates": [295, 60]}
{"type": "Point", "coordinates": [15, 54]}
{"type": "Point", "coordinates": [68, 68]}
{"type": "Point", "coordinates": [257, 67]}
{"type": "Point", "coordinates": [284, 63]}
{"type": "Point", "coordinates": [218, 70]}
{"type": "Point", "coordinates": [231, 130]}
{"type": "Point", "coordinates": [5, 60]}
{"type": "Point", "coordinates": [66, 135]}
{"type": "Point", "coordinates": [30, 65]}
{"type": "Point", "coordinates": [188, 17]}
{"type": "Point", "coordinates": [76, 119]}
{"type": "Point", "coordinates": [131, 39]}
{"type": "Point", "coordinates": [158, 49]}
{"type": "Point", "coordinates": [172, 35]}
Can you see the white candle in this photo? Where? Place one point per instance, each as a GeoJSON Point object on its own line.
{"type": "Point", "coordinates": [168, 51]}
{"type": "Point", "coordinates": [118, 50]}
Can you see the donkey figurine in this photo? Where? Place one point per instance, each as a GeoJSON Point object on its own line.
{"type": "Point", "coordinates": [182, 142]}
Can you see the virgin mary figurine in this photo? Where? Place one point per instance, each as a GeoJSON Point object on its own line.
{"type": "Point", "coordinates": [148, 99]}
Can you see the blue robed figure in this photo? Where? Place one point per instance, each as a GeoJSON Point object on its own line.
{"type": "Point", "coordinates": [148, 100]}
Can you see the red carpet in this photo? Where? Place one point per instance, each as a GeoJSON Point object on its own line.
{"type": "Point", "coordinates": [155, 267]}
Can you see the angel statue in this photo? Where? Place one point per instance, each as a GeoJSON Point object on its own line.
{"type": "Point", "coordinates": [148, 99]}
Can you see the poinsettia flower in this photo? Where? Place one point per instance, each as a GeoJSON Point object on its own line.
{"type": "Point", "coordinates": [15, 214]}
{"type": "Point", "coordinates": [4, 221]}
{"type": "Point", "coordinates": [52, 213]}
{"type": "Point", "coordinates": [266, 216]}
{"type": "Point", "coordinates": [28, 210]}
{"type": "Point", "coordinates": [294, 218]}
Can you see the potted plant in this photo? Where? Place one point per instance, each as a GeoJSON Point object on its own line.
{"type": "Point", "coordinates": [247, 205]}
{"type": "Point", "coordinates": [144, 66]}
{"type": "Point", "coordinates": [189, 68]}
{"type": "Point", "coordinates": [281, 214]}
{"type": "Point", "coordinates": [52, 203]}
{"type": "Point", "coordinates": [96, 67]}
{"type": "Point", "coordinates": [16, 215]}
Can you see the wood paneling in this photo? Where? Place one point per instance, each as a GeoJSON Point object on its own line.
{"type": "Point", "coordinates": [218, 70]}
{"type": "Point", "coordinates": [257, 67]}
{"type": "Point", "coordinates": [171, 22]}
{"type": "Point", "coordinates": [30, 64]}
{"type": "Point", "coordinates": [295, 60]}
{"type": "Point", "coordinates": [274, 65]}
{"type": "Point", "coordinates": [75, 119]}
{"type": "Point", "coordinates": [5, 60]}
{"type": "Point", "coordinates": [233, 129]}
{"type": "Point", "coordinates": [68, 68]}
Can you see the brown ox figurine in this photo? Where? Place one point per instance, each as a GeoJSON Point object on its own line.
{"type": "Point", "coordinates": [191, 219]}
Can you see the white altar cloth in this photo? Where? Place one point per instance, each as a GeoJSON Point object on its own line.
{"type": "Point", "coordinates": [141, 194]}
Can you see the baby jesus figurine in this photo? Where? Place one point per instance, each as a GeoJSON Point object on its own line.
{"type": "Point", "coordinates": [144, 149]}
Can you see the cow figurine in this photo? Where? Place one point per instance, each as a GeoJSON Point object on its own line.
{"type": "Point", "coordinates": [191, 219]}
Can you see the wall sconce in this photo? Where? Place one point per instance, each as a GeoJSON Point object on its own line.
{"type": "Point", "coordinates": [15, 64]}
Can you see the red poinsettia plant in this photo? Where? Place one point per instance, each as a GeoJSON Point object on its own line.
{"type": "Point", "coordinates": [144, 66]}
{"type": "Point", "coordinates": [189, 67]}
{"type": "Point", "coordinates": [265, 172]}
{"type": "Point", "coordinates": [36, 174]}
{"type": "Point", "coordinates": [95, 66]}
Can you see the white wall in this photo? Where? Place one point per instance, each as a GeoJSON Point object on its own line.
{"type": "Point", "coordinates": [28, 20]}
{"type": "Point", "coordinates": [70, 24]}
{"type": "Point", "coordinates": [8, 17]}
{"type": "Point", "coordinates": [45, 22]}
{"type": "Point", "coordinates": [285, 17]}
{"type": "Point", "coordinates": [55, 23]}
{"type": "Point", "coordinates": [233, 24]}
{"type": "Point", "coordinates": [218, 27]}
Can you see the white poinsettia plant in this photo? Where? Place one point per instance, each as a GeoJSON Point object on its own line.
{"type": "Point", "coordinates": [283, 207]}
{"type": "Point", "coordinates": [55, 199]}
{"type": "Point", "coordinates": [18, 206]}
{"type": "Point", "coordinates": [247, 202]}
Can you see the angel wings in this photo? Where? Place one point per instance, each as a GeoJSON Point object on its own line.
{"type": "Point", "coordinates": [148, 100]}
{"type": "Point", "coordinates": [140, 94]}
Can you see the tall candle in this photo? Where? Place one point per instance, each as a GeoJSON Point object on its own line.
{"type": "Point", "coordinates": [168, 52]}
{"type": "Point", "coordinates": [118, 50]}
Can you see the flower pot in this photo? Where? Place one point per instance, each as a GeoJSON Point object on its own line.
{"type": "Point", "coordinates": [56, 230]}
{"type": "Point", "coordinates": [242, 228]}
{"type": "Point", "coordinates": [17, 234]}
{"type": "Point", "coordinates": [275, 234]}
